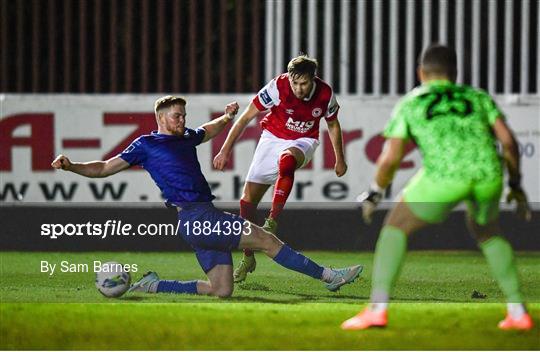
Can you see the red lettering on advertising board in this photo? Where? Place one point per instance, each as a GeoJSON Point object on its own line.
{"type": "Point", "coordinates": [40, 141]}
{"type": "Point", "coordinates": [144, 121]}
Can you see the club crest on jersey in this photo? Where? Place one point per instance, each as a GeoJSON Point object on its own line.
{"type": "Point", "coordinates": [316, 112]}
{"type": "Point", "coordinates": [299, 126]}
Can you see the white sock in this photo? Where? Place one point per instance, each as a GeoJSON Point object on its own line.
{"type": "Point", "coordinates": [379, 296]}
{"type": "Point", "coordinates": [378, 307]}
{"type": "Point", "coordinates": [516, 310]}
{"type": "Point", "coordinates": [328, 275]}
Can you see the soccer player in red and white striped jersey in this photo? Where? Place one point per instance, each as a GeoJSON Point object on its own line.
{"type": "Point", "coordinates": [296, 102]}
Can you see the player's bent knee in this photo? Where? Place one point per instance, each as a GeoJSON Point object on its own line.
{"type": "Point", "coordinates": [402, 217]}
{"type": "Point", "coordinates": [246, 197]}
{"type": "Point", "coordinates": [287, 163]}
{"type": "Point", "coordinates": [483, 232]}
{"type": "Point", "coordinates": [222, 291]}
{"type": "Point", "coordinates": [253, 193]}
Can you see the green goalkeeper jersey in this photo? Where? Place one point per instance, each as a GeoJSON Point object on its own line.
{"type": "Point", "coordinates": [451, 124]}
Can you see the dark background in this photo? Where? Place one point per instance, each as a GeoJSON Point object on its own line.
{"type": "Point", "coordinates": [217, 46]}
{"type": "Point", "coordinates": [303, 229]}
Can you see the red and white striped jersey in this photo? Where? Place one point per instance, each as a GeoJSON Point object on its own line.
{"type": "Point", "coordinates": [293, 118]}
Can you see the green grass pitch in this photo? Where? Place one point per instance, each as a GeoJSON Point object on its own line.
{"type": "Point", "coordinates": [274, 309]}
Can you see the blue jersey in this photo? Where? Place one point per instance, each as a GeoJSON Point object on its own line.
{"type": "Point", "coordinates": [172, 162]}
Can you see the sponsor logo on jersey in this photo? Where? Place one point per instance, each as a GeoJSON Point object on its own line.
{"type": "Point", "coordinates": [265, 97]}
{"type": "Point", "coordinates": [289, 111]}
{"type": "Point", "coordinates": [299, 126]}
{"type": "Point", "coordinates": [316, 112]}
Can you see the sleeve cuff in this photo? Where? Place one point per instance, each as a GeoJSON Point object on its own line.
{"type": "Point", "coordinates": [331, 117]}
{"type": "Point", "coordinates": [258, 104]}
{"type": "Point", "coordinates": [123, 157]}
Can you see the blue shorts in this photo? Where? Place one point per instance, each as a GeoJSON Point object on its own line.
{"type": "Point", "coordinates": [212, 233]}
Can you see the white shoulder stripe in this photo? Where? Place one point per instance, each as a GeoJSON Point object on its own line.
{"type": "Point", "coordinates": [269, 94]}
{"type": "Point", "coordinates": [333, 106]}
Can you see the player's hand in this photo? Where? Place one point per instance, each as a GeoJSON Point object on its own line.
{"type": "Point", "coordinates": [340, 168]}
{"type": "Point", "coordinates": [523, 210]}
{"type": "Point", "coordinates": [61, 162]}
{"type": "Point", "coordinates": [369, 201]}
{"type": "Point", "coordinates": [232, 109]}
{"type": "Point", "coordinates": [221, 159]}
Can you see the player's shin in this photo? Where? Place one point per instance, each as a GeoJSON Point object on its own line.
{"type": "Point", "coordinates": [389, 254]}
{"type": "Point", "coordinates": [171, 286]}
{"type": "Point", "coordinates": [248, 211]}
{"type": "Point", "coordinates": [284, 184]}
{"type": "Point", "coordinates": [500, 258]}
{"type": "Point", "coordinates": [293, 260]}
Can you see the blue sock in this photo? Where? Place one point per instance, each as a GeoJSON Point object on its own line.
{"type": "Point", "coordinates": [172, 286]}
{"type": "Point", "coordinates": [298, 262]}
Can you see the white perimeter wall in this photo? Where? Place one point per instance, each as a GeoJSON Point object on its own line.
{"type": "Point", "coordinates": [82, 117]}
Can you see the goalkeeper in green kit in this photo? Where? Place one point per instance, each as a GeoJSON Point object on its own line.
{"type": "Point", "coordinates": [455, 128]}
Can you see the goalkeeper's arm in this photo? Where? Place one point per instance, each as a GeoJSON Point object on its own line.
{"type": "Point", "coordinates": [387, 165]}
{"type": "Point", "coordinates": [510, 153]}
{"type": "Point", "coordinates": [389, 161]}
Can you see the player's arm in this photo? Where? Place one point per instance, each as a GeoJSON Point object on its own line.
{"type": "Point", "coordinates": [336, 137]}
{"type": "Point", "coordinates": [236, 131]}
{"type": "Point", "coordinates": [389, 161]}
{"type": "Point", "coordinates": [387, 165]}
{"type": "Point", "coordinates": [93, 169]}
{"type": "Point", "coordinates": [510, 153]}
{"type": "Point", "coordinates": [214, 127]}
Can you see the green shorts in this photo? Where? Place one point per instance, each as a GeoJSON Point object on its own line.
{"type": "Point", "coordinates": [432, 200]}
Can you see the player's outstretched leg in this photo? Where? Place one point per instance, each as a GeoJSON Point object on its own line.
{"type": "Point", "coordinates": [389, 254]}
{"type": "Point", "coordinates": [500, 258]}
{"type": "Point", "coordinates": [259, 239]}
{"type": "Point", "coordinates": [219, 283]}
{"type": "Point", "coordinates": [150, 283]}
{"type": "Point", "coordinates": [287, 164]}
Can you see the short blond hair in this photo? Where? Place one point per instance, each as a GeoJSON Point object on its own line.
{"type": "Point", "coordinates": [168, 101]}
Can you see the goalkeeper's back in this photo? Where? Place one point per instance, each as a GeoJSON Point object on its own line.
{"type": "Point", "coordinates": [452, 126]}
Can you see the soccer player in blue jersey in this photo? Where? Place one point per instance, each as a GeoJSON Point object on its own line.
{"type": "Point", "coordinates": [169, 155]}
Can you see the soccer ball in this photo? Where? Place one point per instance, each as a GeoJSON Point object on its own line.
{"type": "Point", "coordinates": [112, 280]}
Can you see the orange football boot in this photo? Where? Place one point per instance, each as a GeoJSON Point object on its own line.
{"type": "Point", "coordinates": [366, 319]}
{"type": "Point", "coordinates": [523, 323]}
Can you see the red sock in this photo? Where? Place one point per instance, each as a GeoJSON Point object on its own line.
{"type": "Point", "coordinates": [284, 183]}
{"type": "Point", "coordinates": [248, 211]}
